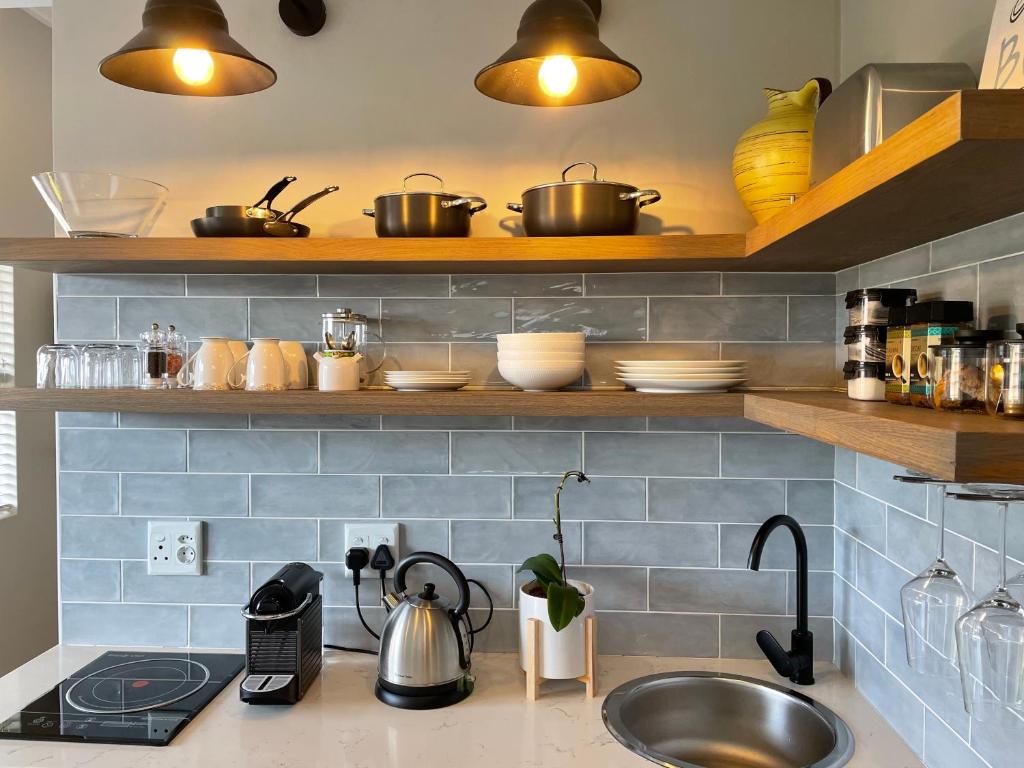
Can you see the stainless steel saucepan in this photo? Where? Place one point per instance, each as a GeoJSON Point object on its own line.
{"type": "Point", "coordinates": [583, 207]}
{"type": "Point", "coordinates": [424, 214]}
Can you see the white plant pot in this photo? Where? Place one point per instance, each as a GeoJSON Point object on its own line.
{"type": "Point", "coordinates": [562, 654]}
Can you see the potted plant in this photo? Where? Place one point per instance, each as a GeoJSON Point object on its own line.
{"type": "Point", "coordinates": [559, 603]}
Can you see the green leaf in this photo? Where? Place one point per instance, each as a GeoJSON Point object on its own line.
{"type": "Point", "coordinates": [545, 568]}
{"type": "Point", "coordinates": [565, 603]}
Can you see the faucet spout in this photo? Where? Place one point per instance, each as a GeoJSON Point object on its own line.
{"type": "Point", "coordinates": [796, 664]}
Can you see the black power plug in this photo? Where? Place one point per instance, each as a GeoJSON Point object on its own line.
{"type": "Point", "coordinates": [382, 559]}
{"type": "Point", "coordinates": [356, 559]}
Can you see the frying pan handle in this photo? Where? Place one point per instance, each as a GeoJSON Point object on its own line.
{"type": "Point", "coordinates": [444, 564]}
{"type": "Point", "coordinates": [577, 164]}
{"type": "Point", "coordinates": [302, 205]}
{"type": "Point", "coordinates": [369, 212]}
{"type": "Point", "coordinates": [405, 181]}
{"type": "Point", "coordinates": [476, 204]}
{"type": "Point", "coordinates": [646, 196]}
{"type": "Point", "coordinates": [517, 207]}
{"type": "Point", "coordinates": [274, 191]}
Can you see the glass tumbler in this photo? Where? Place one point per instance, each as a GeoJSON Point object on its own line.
{"type": "Point", "coordinates": [101, 366]}
{"type": "Point", "coordinates": [58, 367]}
{"type": "Point", "coordinates": [129, 365]}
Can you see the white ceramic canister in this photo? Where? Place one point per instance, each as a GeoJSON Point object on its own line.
{"type": "Point", "coordinates": [297, 367]}
{"type": "Point", "coordinates": [337, 371]}
{"type": "Point", "coordinates": [265, 369]}
{"type": "Point", "coordinates": [562, 654]}
{"type": "Point", "coordinates": [210, 367]}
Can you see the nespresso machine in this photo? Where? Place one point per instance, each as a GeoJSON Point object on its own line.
{"type": "Point", "coordinates": [283, 636]}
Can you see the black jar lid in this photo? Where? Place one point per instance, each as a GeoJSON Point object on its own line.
{"type": "Point", "coordinates": [898, 316]}
{"type": "Point", "coordinates": [856, 333]}
{"type": "Point", "coordinates": [941, 312]}
{"type": "Point", "coordinates": [890, 297]}
{"type": "Point", "coordinates": [970, 338]}
{"type": "Point", "coordinates": [1020, 330]}
{"type": "Point", "coordinates": [854, 369]}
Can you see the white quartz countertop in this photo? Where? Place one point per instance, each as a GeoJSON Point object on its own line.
{"type": "Point", "coordinates": [339, 724]}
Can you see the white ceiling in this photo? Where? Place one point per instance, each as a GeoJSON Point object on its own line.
{"type": "Point", "coordinates": [37, 9]}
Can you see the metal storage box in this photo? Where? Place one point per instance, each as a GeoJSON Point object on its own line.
{"type": "Point", "coordinates": [875, 102]}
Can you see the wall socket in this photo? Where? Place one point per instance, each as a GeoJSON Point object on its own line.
{"type": "Point", "coordinates": [370, 536]}
{"type": "Point", "coordinates": [176, 548]}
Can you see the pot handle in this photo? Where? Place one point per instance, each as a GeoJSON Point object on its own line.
{"type": "Point", "coordinates": [444, 564]}
{"type": "Point", "coordinates": [653, 196]}
{"type": "Point", "coordinates": [577, 164]}
{"type": "Point", "coordinates": [369, 212]}
{"type": "Point", "coordinates": [517, 207]}
{"type": "Point", "coordinates": [405, 181]}
{"type": "Point", "coordinates": [476, 204]}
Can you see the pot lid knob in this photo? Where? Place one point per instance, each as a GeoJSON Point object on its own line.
{"type": "Point", "coordinates": [428, 592]}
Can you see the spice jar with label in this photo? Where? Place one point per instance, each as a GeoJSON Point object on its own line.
{"type": "Point", "coordinates": [958, 371]}
{"type": "Point", "coordinates": [153, 353]}
{"type": "Point", "coordinates": [1004, 377]}
{"type": "Point", "coordinates": [932, 323]}
{"type": "Point", "coordinates": [897, 355]}
{"type": "Point", "coordinates": [177, 352]}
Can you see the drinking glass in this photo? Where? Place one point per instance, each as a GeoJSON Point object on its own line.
{"type": "Point", "coordinates": [129, 365]}
{"type": "Point", "coordinates": [57, 367]}
{"type": "Point", "coordinates": [990, 637]}
{"type": "Point", "coordinates": [933, 600]}
{"type": "Point", "coordinates": [101, 366]}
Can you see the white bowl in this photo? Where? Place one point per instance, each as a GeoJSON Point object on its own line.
{"type": "Point", "coordinates": [542, 338]}
{"type": "Point", "coordinates": [542, 357]}
{"type": "Point", "coordinates": [535, 378]}
{"type": "Point", "coordinates": [679, 364]}
{"type": "Point", "coordinates": [543, 365]}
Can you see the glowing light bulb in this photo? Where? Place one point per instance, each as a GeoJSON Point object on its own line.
{"type": "Point", "coordinates": [558, 76]}
{"type": "Point", "coordinates": [193, 66]}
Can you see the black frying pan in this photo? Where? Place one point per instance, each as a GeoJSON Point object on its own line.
{"type": "Point", "coordinates": [260, 210]}
{"type": "Point", "coordinates": [234, 226]}
{"type": "Point", "coordinates": [283, 226]}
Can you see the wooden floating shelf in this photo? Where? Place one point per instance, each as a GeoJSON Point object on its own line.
{"type": "Point", "coordinates": [961, 448]}
{"type": "Point", "coordinates": [957, 167]}
{"type": "Point", "coordinates": [958, 447]}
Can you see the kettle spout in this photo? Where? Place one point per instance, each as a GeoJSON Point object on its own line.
{"type": "Point", "coordinates": [391, 601]}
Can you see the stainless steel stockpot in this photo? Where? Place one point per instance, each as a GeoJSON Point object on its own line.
{"type": "Point", "coordinates": [583, 207]}
{"type": "Point", "coordinates": [423, 214]}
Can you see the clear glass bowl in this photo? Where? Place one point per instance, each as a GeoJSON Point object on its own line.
{"type": "Point", "coordinates": [101, 204]}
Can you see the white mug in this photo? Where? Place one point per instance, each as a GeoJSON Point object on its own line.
{"type": "Point", "coordinates": [239, 349]}
{"type": "Point", "coordinates": [297, 367]}
{"type": "Point", "coordinates": [210, 366]}
{"type": "Point", "coordinates": [338, 371]}
{"type": "Point", "coordinates": [265, 369]}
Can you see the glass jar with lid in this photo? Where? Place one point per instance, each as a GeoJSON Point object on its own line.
{"type": "Point", "coordinates": [1004, 379]}
{"type": "Point", "coordinates": [959, 372]}
{"type": "Point", "coordinates": [153, 357]}
{"type": "Point", "coordinates": [177, 352]}
{"type": "Point", "coordinates": [348, 331]}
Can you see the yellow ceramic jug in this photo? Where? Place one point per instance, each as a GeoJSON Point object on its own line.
{"type": "Point", "coordinates": [771, 163]}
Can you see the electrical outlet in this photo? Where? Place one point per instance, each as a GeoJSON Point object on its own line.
{"type": "Point", "coordinates": [370, 536]}
{"type": "Point", "coordinates": [176, 548]}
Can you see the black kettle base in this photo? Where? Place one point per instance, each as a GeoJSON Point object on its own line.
{"type": "Point", "coordinates": [433, 697]}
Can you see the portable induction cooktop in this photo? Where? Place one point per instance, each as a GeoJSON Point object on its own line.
{"type": "Point", "coordinates": [126, 698]}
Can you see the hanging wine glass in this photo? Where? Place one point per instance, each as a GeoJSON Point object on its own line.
{"type": "Point", "coordinates": [990, 637]}
{"type": "Point", "coordinates": [933, 600]}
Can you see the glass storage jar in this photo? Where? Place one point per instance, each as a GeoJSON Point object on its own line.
{"type": "Point", "coordinates": [153, 358]}
{"type": "Point", "coordinates": [958, 371]}
{"type": "Point", "coordinates": [865, 381]}
{"type": "Point", "coordinates": [870, 306]}
{"type": "Point", "coordinates": [1004, 377]}
{"type": "Point", "coordinates": [865, 343]}
{"type": "Point", "coordinates": [932, 323]}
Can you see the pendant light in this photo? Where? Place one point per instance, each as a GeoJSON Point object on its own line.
{"type": "Point", "coordinates": [558, 60]}
{"type": "Point", "coordinates": [184, 49]}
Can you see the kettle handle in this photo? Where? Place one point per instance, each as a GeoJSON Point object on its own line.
{"type": "Point", "coordinates": [444, 564]}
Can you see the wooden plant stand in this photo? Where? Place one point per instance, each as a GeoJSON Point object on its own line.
{"type": "Point", "coordinates": [533, 658]}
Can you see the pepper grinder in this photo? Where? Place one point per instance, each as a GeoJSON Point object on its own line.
{"type": "Point", "coordinates": [177, 351]}
{"type": "Point", "coordinates": [153, 351]}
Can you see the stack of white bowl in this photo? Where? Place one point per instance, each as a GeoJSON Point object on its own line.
{"type": "Point", "coordinates": [540, 362]}
{"type": "Point", "coordinates": [426, 381]}
{"type": "Point", "coordinates": [681, 375]}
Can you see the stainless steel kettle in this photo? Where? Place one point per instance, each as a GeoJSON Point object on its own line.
{"type": "Point", "coordinates": [425, 644]}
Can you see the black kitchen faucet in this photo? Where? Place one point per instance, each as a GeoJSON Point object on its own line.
{"type": "Point", "coordinates": [798, 663]}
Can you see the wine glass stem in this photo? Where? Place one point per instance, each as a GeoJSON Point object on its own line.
{"type": "Point", "coordinates": [939, 494]}
{"type": "Point", "coordinates": [1003, 506]}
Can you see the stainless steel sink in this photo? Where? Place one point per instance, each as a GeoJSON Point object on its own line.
{"type": "Point", "coordinates": [711, 720]}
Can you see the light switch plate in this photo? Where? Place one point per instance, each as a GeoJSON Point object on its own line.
{"type": "Point", "coordinates": [176, 548]}
{"type": "Point", "coordinates": [370, 536]}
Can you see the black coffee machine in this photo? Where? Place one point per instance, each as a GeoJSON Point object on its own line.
{"type": "Point", "coordinates": [283, 636]}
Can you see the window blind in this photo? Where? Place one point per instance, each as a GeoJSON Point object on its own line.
{"type": "Point", "coordinates": [8, 435]}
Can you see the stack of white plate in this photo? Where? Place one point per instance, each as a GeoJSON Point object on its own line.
{"type": "Point", "coordinates": [681, 375]}
{"type": "Point", "coordinates": [426, 381]}
{"type": "Point", "coordinates": [540, 362]}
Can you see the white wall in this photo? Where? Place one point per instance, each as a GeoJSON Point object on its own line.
{"type": "Point", "coordinates": [884, 31]}
{"type": "Point", "coordinates": [28, 541]}
{"type": "Point", "coordinates": [387, 89]}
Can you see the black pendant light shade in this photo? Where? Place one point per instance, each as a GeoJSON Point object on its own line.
{"type": "Point", "coordinates": [184, 49]}
{"type": "Point", "coordinates": [558, 60]}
